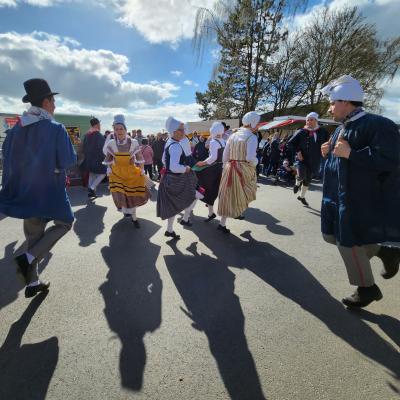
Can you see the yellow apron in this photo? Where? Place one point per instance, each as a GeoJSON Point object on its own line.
{"type": "Point", "coordinates": [125, 177]}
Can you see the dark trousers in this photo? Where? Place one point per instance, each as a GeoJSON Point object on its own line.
{"type": "Point", "coordinates": [159, 165]}
{"type": "Point", "coordinates": [148, 169]}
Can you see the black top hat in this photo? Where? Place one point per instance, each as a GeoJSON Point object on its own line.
{"type": "Point", "coordinates": [36, 89]}
{"type": "Point", "coordinates": [94, 121]}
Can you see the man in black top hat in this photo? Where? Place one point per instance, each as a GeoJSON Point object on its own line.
{"type": "Point", "coordinates": [37, 151]}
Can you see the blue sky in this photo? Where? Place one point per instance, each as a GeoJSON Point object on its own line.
{"type": "Point", "coordinates": [112, 56]}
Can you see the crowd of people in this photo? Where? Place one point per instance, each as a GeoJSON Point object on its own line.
{"type": "Point", "coordinates": [360, 163]}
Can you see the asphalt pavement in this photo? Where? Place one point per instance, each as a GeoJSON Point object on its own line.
{"type": "Point", "coordinates": [251, 315]}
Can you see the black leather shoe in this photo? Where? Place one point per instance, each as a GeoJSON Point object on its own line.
{"type": "Point", "coordinates": [91, 194]}
{"type": "Point", "coordinates": [31, 291]}
{"type": "Point", "coordinates": [223, 229]}
{"type": "Point", "coordinates": [210, 218]}
{"type": "Point", "coordinates": [136, 224]}
{"type": "Point", "coordinates": [296, 188]}
{"type": "Point", "coordinates": [303, 200]}
{"type": "Point", "coordinates": [185, 223]}
{"type": "Point", "coordinates": [390, 257]}
{"type": "Point", "coordinates": [363, 296]}
{"type": "Point", "coordinates": [172, 235]}
{"type": "Point", "coordinates": [23, 267]}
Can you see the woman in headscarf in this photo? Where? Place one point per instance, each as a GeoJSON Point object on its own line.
{"type": "Point", "coordinates": [177, 190]}
{"type": "Point", "coordinates": [210, 176]}
{"type": "Point", "coordinates": [127, 181]}
{"type": "Point", "coordinates": [239, 181]}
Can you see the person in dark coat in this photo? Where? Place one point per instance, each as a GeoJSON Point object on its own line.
{"type": "Point", "coordinates": [361, 190]}
{"type": "Point", "coordinates": [200, 151]}
{"type": "Point", "coordinates": [306, 144]}
{"type": "Point", "coordinates": [274, 156]}
{"type": "Point", "coordinates": [37, 152]}
{"type": "Point", "coordinates": [93, 144]}
{"type": "Point", "coordinates": [158, 150]}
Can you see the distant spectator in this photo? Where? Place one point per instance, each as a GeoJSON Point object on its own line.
{"type": "Point", "coordinates": [147, 153]}
{"type": "Point", "coordinates": [200, 152]}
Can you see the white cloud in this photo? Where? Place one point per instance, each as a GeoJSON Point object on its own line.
{"type": "Point", "coordinates": [165, 21]}
{"type": "Point", "coordinates": [190, 83]}
{"type": "Point", "coordinates": [176, 73]}
{"type": "Point", "coordinates": [382, 13]}
{"type": "Point", "coordinates": [391, 100]}
{"type": "Point", "coordinates": [91, 77]}
{"type": "Point", "coordinates": [8, 3]}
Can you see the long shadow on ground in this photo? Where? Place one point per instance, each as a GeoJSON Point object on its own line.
{"type": "Point", "coordinates": [89, 223]}
{"type": "Point", "coordinates": [132, 294]}
{"type": "Point", "coordinates": [292, 280]}
{"type": "Point", "coordinates": [26, 370]}
{"type": "Point", "coordinates": [206, 286]}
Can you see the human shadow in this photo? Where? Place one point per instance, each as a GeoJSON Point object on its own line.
{"type": "Point", "coordinates": [259, 217]}
{"type": "Point", "coordinates": [11, 285]}
{"type": "Point", "coordinates": [89, 223]}
{"type": "Point", "coordinates": [388, 324]}
{"type": "Point", "coordinates": [206, 286]}
{"type": "Point", "coordinates": [132, 294]}
{"type": "Point", "coordinates": [78, 195]}
{"type": "Point", "coordinates": [26, 370]}
{"type": "Point", "coordinates": [293, 280]}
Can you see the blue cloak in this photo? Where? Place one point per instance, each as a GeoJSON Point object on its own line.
{"type": "Point", "coordinates": [31, 185]}
{"type": "Point", "coordinates": [361, 195]}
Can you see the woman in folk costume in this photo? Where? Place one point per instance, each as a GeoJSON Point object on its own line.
{"type": "Point", "coordinates": [210, 177]}
{"type": "Point", "coordinates": [239, 181]}
{"type": "Point", "coordinates": [128, 184]}
{"type": "Point", "coordinates": [177, 190]}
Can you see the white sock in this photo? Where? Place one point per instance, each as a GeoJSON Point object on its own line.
{"type": "Point", "coordinates": [30, 257]}
{"type": "Point", "coordinates": [170, 226]}
{"type": "Point", "coordinates": [303, 191]}
{"type": "Point", "coordinates": [210, 210]}
{"type": "Point", "coordinates": [134, 214]}
{"type": "Point", "coordinates": [188, 211]}
{"type": "Point", "coordinates": [298, 181]}
{"type": "Point", "coordinates": [33, 284]}
{"type": "Point", "coordinates": [223, 221]}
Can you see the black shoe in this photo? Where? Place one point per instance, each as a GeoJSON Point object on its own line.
{"type": "Point", "coordinates": [296, 188]}
{"type": "Point", "coordinates": [303, 200]}
{"type": "Point", "coordinates": [363, 296]}
{"type": "Point", "coordinates": [390, 257]}
{"type": "Point", "coordinates": [223, 229]}
{"type": "Point", "coordinates": [23, 267]}
{"type": "Point", "coordinates": [31, 291]}
{"type": "Point", "coordinates": [172, 235]}
{"type": "Point", "coordinates": [91, 194]}
{"type": "Point", "coordinates": [210, 218]}
{"type": "Point", "coordinates": [241, 217]}
{"type": "Point", "coordinates": [185, 223]}
{"type": "Point", "coordinates": [136, 224]}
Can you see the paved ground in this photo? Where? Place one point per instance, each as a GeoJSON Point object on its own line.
{"type": "Point", "coordinates": [253, 315]}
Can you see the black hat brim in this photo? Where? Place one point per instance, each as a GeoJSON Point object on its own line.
{"type": "Point", "coordinates": [28, 99]}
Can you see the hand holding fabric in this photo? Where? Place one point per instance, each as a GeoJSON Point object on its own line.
{"type": "Point", "coordinates": [342, 148]}
{"type": "Point", "coordinates": [325, 148]}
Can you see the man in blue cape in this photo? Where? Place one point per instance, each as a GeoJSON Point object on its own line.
{"type": "Point", "coordinates": [37, 151]}
{"type": "Point", "coordinates": [361, 191]}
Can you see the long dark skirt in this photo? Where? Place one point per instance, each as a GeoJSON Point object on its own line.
{"type": "Point", "coordinates": [209, 178]}
{"type": "Point", "coordinates": [175, 193]}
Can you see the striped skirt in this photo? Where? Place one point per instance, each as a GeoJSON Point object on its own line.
{"type": "Point", "coordinates": [175, 193]}
{"type": "Point", "coordinates": [237, 189]}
